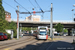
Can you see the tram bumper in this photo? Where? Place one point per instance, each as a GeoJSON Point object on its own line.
{"type": "Point", "coordinates": [41, 36]}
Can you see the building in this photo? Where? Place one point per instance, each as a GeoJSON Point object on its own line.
{"type": "Point", "coordinates": [34, 18]}
{"type": "Point", "coordinates": [7, 16]}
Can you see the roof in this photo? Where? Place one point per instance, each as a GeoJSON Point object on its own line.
{"type": "Point", "coordinates": [7, 12]}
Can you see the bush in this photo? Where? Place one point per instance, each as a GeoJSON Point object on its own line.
{"type": "Point", "coordinates": [9, 36]}
{"type": "Point", "coordinates": [15, 35]}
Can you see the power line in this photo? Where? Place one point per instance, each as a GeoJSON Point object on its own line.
{"type": "Point", "coordinates": [21, 6]}
{"type": "Point", "coordinates": [48, 7]}
{"type": "Point", "coordinates": [39, 6]}
{"type": "Point", "coordinates": [9, 5]}
{"type": "Point", "coordinates": [32, 4]}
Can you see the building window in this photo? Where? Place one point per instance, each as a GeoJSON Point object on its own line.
{"type": "Point", "coordinates": [7, 16]}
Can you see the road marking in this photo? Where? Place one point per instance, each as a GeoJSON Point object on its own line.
{"type": "Point", "coordinates": [49, 46]}
{"type": "Point", "coordinates": [7, 49]}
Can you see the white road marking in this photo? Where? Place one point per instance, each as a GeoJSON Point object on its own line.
{"type": "Point", "coordinates": [49, 46]}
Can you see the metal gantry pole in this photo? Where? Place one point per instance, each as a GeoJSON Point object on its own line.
{"type": "Point", "coordinates": [72, 13]}
{"type": "Point", "coordinates": [51, 24]}
{"type": "Point", "coordinates": [18, 23]}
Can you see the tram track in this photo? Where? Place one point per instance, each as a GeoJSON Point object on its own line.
{"type": "Point", "coordinates": [15, 43]}
{"type": "Point", "coordinates": [5, 43]}
{"type": "Point", "coordinates": [22, 44]}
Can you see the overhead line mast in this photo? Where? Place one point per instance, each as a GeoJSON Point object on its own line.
{"type": "Point", "coordinates": [32, 12]}
{"type": "Point", "coordinates": [21, 6]}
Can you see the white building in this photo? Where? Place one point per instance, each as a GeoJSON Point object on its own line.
{"type": "Point", "coordinates": [33, 18]}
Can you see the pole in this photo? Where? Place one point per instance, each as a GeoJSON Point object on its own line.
{"type": "Point", "coordinates": [51, 24]}
{"type": "Point", "coordinates": [72, 15]}
{"type": "Point", "coordinates": [18, 23]}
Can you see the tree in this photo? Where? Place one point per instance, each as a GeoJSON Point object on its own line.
{"type": "Point", "coordinates": [3, 25]}
{"type": "Point", "coordinates": [65, 30]}
{"type": "Point", "coordinates": [2, 11]}
{"type": "Point", "coordinates": [13, 26]}
{"type": "Point", "coordinates": [58, 27]}
{"type": "Point", "coordinates": [26, 29]}
{"type": "Point", "coordinates": [3, 22]}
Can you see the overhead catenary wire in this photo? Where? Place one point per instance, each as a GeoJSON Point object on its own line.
{"type": "Point", "coordinates": [9, 5]}
{"type": "Point", "coordinates": [21, 6]}
{"type": "Point", "coordinates": [47, 7]}
{"type": "Point", "coordinates": [40, 9]}
{"type": "Point", "coordinates": [39, 6]}
{"type": "Point", "coordinates": [32, 4]}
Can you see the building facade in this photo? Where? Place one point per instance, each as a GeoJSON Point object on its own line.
{"type": "Point", "coordinates": [7, 16]}
{"type": "Point", "coordinates": [34, 18]}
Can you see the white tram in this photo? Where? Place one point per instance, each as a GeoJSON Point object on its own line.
{"type": "Point", "coordinates": [42, 32]}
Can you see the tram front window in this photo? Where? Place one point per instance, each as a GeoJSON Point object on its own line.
{"type": "Point", "coordinates": [42, 33]}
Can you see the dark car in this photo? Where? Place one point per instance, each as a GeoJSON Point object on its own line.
{"type": "Point", "coordinates": [1, 36]}
{"type": "Point", "coordinates": [5, 36]}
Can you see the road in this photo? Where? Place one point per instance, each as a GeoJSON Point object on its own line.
{"type": "Point", "coordinates": [63, 44]}
{"type": "Point", "coordinates": [34, 44]}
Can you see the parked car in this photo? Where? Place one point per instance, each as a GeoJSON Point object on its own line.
{"type": "Point", "coordinates": [57, 34]}
{"type": "Point", "coordinates": [5, 36]}
{"type": "Point", "coordinates": [1, 36]}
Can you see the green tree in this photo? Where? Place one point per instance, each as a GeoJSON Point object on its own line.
{"type": "Point", "coordinates": [3, 25]}
{"type": "Point", "coordinates": [2, 11]}
{"type": "Point", "coordinates": [58, 27]}
{"type": "Point", "coordinates": [26, 29]}
{"type": "Point", "coordinates": [65, 30]}
{"type": "Point", "coordinates": [3, 22]}
{"type": "Point", "coordinates": [13, 26]}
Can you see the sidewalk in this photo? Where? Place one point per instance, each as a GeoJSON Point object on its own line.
{"type": "Point", "coordinates": [14, 40]}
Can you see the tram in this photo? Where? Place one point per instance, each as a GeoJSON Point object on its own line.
{"type": "Point", "coordinates": [42, 32]}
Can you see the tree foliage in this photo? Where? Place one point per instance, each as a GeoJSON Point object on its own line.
{"type": "Point", "coordinates": [26, 28]}
{"type": "Point", "coordinates": [13, 26]}
{"type": "Point", "coordinates": [2, 11]}
{"type": "Point", "coordinates": [3, 25]}
{"type": "Point", "coordinates": [3, 22]}
{"type": "Point", "coordinates": [65, 30]}
{"type": "Point", "coordinates": [58, 27]}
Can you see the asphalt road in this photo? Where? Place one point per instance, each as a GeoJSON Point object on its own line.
{"type": "Point", "coordinates": [33, 44]}
{"type": "Point", "coordinates": [60, 45]}
{"type": "Point", "coordinates": [64, 44]}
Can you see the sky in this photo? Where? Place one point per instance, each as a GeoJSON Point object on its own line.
{"type": "Point", "coordinates": [61, 8]}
